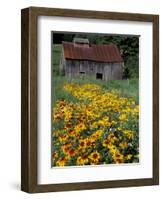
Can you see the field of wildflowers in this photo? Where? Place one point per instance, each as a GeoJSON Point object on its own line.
{"type": "Point", "coordinates": [99, 127]}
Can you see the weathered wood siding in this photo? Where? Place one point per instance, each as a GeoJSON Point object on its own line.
{"type": "Point", "coordinates": [109, 71]}
{"type": "Point", "coordinates": [117, 71]}
{"type": "Point", "coordinates": [71, 68]}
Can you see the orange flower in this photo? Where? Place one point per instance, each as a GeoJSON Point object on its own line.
{"type": "Point", "coordinates": [81, 160]}
{"type": "Point", "coordinates": [88, 142]}
{"type": "Point", "coordinates": [63, 138]}
{"type": "Point", "coordinates": [65, 148]}
{"type": "Point", "coordinates": [71, 152]}
{"type": "Point", "coordinates": [112, 138]}
{"type": "Point", "coordinates": [118, 158]}
{"type": "Point", "coordinates": [82, 144]}
{"type": "Point", "coordinates": [61, 162]}
{"type": "Point", "coordinates": [95, 157]}
{"type": "Point", "coordinates": [55, 154]}
{"type": "Point", "coordinates": [72, 133]}
{"type": "Point", "coordinates": [106, 143]}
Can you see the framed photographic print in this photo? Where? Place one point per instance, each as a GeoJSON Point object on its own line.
{"type": "Point", "coordinates": [90, 99]}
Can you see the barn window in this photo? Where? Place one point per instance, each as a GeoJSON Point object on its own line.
{"type": "Point", "coordinates": [82, 73]}
{"type": "Point", "coordinates": [99, 76]}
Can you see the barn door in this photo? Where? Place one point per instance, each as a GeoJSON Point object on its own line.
{"type": "Point", "coordinates": [81, 68]}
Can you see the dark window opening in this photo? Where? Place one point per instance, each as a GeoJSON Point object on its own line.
{"type": "Point", "coordinates": [82, 72]}
{"type": "Point", "coordinates": [99, 76]}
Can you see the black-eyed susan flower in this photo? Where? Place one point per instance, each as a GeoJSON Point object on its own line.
{"type": "Point", "coordinates": [94, 157]}
{"type": "Point", "coordinates": [71, 152]}
{"type": "Point", "coordinates": [61, 162]}
{"type": "Point", "coordinates": [82, 160]}
{"type": "Point", "coordinates": [107, 143]}
{"type": "Point", "coordinates": [82, 144]}
{"type": "Point", "coordinates": [118, 157]}
{"type": "Point", "coordinates": [63, 138]}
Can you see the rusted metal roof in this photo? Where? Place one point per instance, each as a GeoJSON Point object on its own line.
{"type": "Point", "coordinates": [98, 53]}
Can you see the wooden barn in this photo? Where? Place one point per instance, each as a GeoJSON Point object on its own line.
{"type": "Point", "coordinates": [80, 58]}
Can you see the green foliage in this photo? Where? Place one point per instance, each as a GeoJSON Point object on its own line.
{"type": "Point", "coordinates": [56, 56]}
{"type": "Point", "coordinates": [131, 69]}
